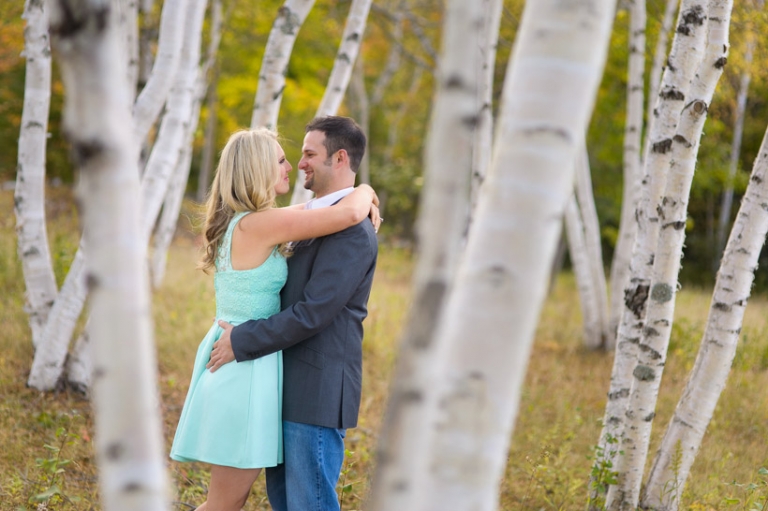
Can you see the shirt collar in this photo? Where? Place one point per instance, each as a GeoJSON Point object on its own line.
{"type": "Point", "coordinates": [329, 199]}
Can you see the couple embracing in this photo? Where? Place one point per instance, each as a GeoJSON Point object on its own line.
{"type": "Point", "coordinates": [277, 379]}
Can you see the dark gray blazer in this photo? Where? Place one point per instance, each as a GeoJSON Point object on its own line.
{"type": "Point", "coordinates": [320, 329]}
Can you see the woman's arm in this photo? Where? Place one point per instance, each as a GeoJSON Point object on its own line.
{"type": "Point", "coordinates": [281, 225]}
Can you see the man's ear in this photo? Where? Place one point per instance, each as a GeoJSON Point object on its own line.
{"type": "Point", "coordinates": [341, 157]}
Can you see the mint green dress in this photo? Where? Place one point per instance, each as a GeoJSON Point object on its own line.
{"type": "Point", "coordinates": [233, 417]}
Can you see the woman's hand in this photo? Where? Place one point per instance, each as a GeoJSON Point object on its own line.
{"type": "Point", "coordinates": [375, 216]}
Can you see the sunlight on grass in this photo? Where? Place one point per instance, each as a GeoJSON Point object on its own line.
{"type": "Point", "coordinates": [558, 422]}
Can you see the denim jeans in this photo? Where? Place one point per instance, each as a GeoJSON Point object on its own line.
{"type": "Point", "coordinates": [306, 481]}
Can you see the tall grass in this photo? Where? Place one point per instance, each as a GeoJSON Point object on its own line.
{"type": "Point", "coordinates": [557, 427]}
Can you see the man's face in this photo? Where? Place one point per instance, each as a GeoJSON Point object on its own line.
{"type": "Point", "coordinates": [316, 163]}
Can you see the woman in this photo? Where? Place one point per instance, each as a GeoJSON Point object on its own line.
{"type": "Point", "coordinates": [231, 418]}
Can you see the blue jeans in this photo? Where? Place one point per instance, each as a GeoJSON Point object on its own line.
{"type": "Point", "coordinates": [306, 481]}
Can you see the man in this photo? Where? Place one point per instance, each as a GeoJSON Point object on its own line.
{"type": "Point", "coordinates": [319, 329]}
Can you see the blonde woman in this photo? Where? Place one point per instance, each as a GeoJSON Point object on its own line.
{"type": "Point", "coordinates": [232, 418]}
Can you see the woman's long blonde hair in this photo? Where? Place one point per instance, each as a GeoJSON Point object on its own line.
{"type": "Point", "coordinates": [245, 180]}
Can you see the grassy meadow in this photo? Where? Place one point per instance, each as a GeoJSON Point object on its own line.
{"type": "Point", "coordinates": [47, 459]}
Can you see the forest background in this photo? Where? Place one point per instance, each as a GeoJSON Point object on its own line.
{"type": "Point", "coordinates": [399, 116]}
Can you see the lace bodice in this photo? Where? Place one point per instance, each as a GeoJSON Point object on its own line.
{"type": "Point", "coordinates": [247, 294]}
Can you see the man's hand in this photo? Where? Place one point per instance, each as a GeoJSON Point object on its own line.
{"type": "Point", "coordinates": [222, 349]}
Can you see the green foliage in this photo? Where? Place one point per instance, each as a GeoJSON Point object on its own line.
{"type": "Point", "coordinates": [752, 496]}
{"type": "Point", "coordinates": [602, 474]}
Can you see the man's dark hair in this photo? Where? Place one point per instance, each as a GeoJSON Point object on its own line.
{"type": "Point", "coordinates": [341, 133]}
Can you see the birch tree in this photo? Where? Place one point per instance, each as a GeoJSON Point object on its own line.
{"type": "Point", "coordinates": [489, 319]}
{"type": "Point", "coordinates": [633, 132]}
{"type": "Point", "coordinates": [666, 265]}
{"type": "Point", "coordinates": [274, 66]}
{"type": "Point", "coordinates": [441, 222]}
{"type": "Point", "coordinates": [486, 66]}
{"type": "Point", "coordinates": [590, 276]}
{"type": "Point", "coordinates": [738, 132]}
{"type": "Point", "coordinates": [683, 59]}
{"type": "Point", "coordinates": [128, 436]}
{"type": "Point", "coordinates": [718, 345]}
{"type": "Point", "coordinates": [339, 78]}
{"type": "Point", "coordinates": [29, 194]}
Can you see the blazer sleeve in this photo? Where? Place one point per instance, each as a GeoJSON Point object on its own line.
{"type": "Point", "coordinates": [339, 269]}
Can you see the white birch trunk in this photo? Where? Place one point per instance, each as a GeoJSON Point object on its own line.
{"type": "Point", "coordinates": [402, 461]}
{"type": "Point", "coordinates": [277, 53]}
{"type": "Point", "coordinates": [672, 216]}
{"type": "Point", "coordinates": [363, 114]}
{"type": "Point", "coordinates": [491, 315]}
{"type": "Point", "coordinates": [593, 247]}
{"type": "Point", "coordinates": [633, 132]}
{"type": "Point", "coordinates": [52, 351]}
{"type": "Point", "coordinates": [738, 132]}
{"type": "Point", "coordinates": [166, 227]}
{"type": "Point", "coordinates": [128, 27]}
{"type": "Point", "coordinates": [684, 57]}
{"type": "Point", "coordinates": [178, 115]}
{"type": "Point", "coordinates": [339, 79]}
{"type": "Point", "coordinates": [29, 194]}
{"type": "Point", "coordinates": [718, 345]}
{"type": "Point", "coordinates": [145, 42]}
{"type": "Point", "coordinates": [577, 250]}
{"type": "Point", "coordinates": [485, 66]}
{"type": "Point", "coordinates": [128, 436]}
{"type": "Point", "coordinates": [154, 94]}
{"type": "Point", "coordinates": [659, 59]}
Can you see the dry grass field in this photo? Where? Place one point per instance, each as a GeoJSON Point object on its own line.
{"type": "Point", "coordinates": [47, 459]}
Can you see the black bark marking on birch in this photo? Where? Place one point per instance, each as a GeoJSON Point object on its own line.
{"type": "Point", "coordinates": [672, 94]}
{"type": "Point", "coordinates": [497, 275]}
{"type": "Point", "coordinates": [71, 23]}
{"type": "Point", "coordinates": [652, 353]}
{"type": "Point", "coordinates": [114, 451]}
{"type": "Point", "coordinates": [132, 487]}
{"type": "Point", "coordinates": [683, 423]}
{"type": "Point", "coordinates": [649, 331]}
{"type": "Point", "coordinates": [721, 62]}
{"type": "Point", "coordinates": [292, 20]}
{"type": "Point", "coordinates": [693, 17]}
{"type": "Point", "coordinates": [36, 4]}
{"type": "Point", "coordinates": [353, 36]}
{"type": "Point", "coordinates": [99, 372]}
{"type": "Point", "coordinates": [411, 396]}
{"type": "Point", "coordinates": [33, 251]}
{"type": "Point", "coordinates": [619, 394]}
{"type": "Point", "coordinates": [662, 293]}
{"type": "Point", "coordinates": [454, 82]}
{"type": "Point", "coordinates": [757, 179]}
{"type": "Point", "coordinates": [662, 146]}
{"type": "Point", "coordinates": [470, 121]}
{"type": "Point", "coordinates": [722, 306]}
{"type": "Point", "coordinates": [678, 225]}
{"type": "Point", "coordinates": [699, 107]}
{"type": "Point", "coordinates": [682, 140]}
{"type": "Point", "coordinates": [614, 420]}
{"type": "Point", "coordinates": [764, 206]}
{"type": "Point", "coordinates": [644, 373]}
{"type": "Point", "coordinates": [83, 151]}
{"type": "Point", "coordinates": [91, 282]}
{"type": "Point", "coordinates": [34, 124]}
{"type": "Point", "coordinates": [635, 299]}
{"type": "Point", "coordinates": [649, 417]}
{"type": "Point", "coordinates": [278, 93]}
{"type": "Point", "coordinates": [344, 57]}
{"type": "Point", "coordinates": [430, 302]}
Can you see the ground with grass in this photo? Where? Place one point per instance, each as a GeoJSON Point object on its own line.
{"type": "Point", "coordinates": [47, 459]}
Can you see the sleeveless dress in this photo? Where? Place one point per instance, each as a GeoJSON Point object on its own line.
{"type": "Point", "coordinates": [233, 417]}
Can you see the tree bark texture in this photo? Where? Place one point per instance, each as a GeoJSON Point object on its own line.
{"type": "Point", "coordinates": [490, 317]}
{"type": "Point", "coordinates": [29, 194]}
{"type": "Point", "coordinates": [672, 209]}
{"type": "Point", "coordinates": [97, 123]}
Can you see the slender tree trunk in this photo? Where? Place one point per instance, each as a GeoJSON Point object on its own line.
{"type": "Point", "coordinates": [738, 131]}
{"type": "Point", "coordinates": [98, 125]}
{"type": "Point", "coordinates": [718, 345]}
{"type": "Point", "coordinates": [339, 79]}
{"type": "Point", "coordinates": [490, 317]}
{"type": "Point", "coordinates": [659, 59]}
{"type": "Point", "coordinates": [593, 247]}
{"type": "Point", "coordinates": [396, 119]}
{"type": "Point", "coordinates": [402, 461]}
{"type": "Point", "coordinates": [153, 96]}
{"type": "Point", "coordinates": [29, 194]}
{"type": "Point", "coordinates": [485, 67]}
{"type": "Point", "coordinates": [633, 132]}
{"type": "Point", "coordinates": [684, 57]}
{"type": "Point", "coordinates": [393, 58]}
{"type": "Point", "coordinates": [128, 27]}
{"type": "Point", "coordinates": [178, 115]}
{"type": "Point", "coordinates": [672, 215]}
{"type": "Point", "coordinates": [577, 250]}
{"type": "Point", "coordinates": [269, 94]}
{"type": "Point", "coordinates": [209, 139]}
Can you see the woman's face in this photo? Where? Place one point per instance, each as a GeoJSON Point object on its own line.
{"type": "Point", "coordinates": [284, 184]}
